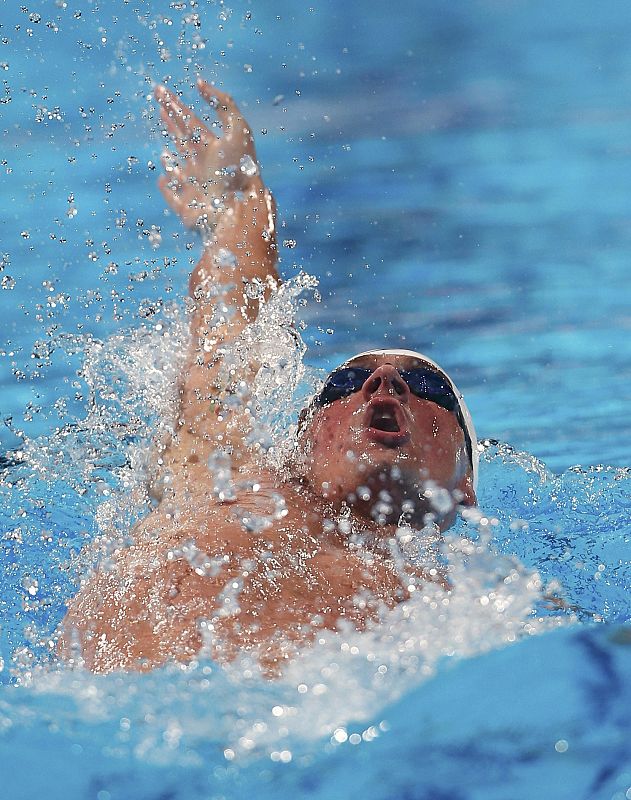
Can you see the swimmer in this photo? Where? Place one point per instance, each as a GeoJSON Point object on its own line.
{"type": "Point", "coordinates": [386, 435]}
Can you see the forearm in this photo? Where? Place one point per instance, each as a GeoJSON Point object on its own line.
{"type": "Point", "coordinates": [241, 248]}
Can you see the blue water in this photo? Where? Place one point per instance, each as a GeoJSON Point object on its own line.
{"type": "Point", "coordinates": [457, 176]}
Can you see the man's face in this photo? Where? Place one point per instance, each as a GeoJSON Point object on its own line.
{"type": "Point", "coordinates": [383, 442]}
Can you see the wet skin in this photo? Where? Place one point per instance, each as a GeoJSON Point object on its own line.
{"type": "Point", "coordinates": [196, 574]}
{"type": "Point", "coordinates": [270, 592]}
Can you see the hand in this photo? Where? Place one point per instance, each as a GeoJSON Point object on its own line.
{"type": "Point", "coordinates": [208, 171]}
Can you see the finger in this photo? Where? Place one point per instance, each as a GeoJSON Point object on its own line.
{"type": "Point", "coordinates": [169, 162]}
{"type": "Point", "coordinates": [173, 199]}
{"type": "Point", "coordinates": [171, 119]}
{"type": "Point", "coordinates": [188, 143]}
{"type": "Point", "coordinates": [225, 107]}
{"type": "Point", "coordinates": [170, 184]}
{"type": "Point", "coordinates": [179, 175]}
{"type": "Point", "coordinates": [173, 122]}
{"type": "Point", "coordinates": [178, 117]}
{"type": "Point", "coordinates": [184, 145]}
{"type": "Point", "coordinates": [176, 176]}
{"type": "Point", "coordinates": [187, 118]}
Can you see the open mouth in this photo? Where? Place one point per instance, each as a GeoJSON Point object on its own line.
{"type": "Point", "coordinates": [385, 422]}
{"type": "Point", "coordinates": [384, 419]}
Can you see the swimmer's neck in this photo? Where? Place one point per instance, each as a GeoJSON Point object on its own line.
{"type": "Point", "coordinates": [379, 513]}
{"type": "Point", "coordinates": [362, 524]}
{"type": "Point", "coordinates": [415, 551]}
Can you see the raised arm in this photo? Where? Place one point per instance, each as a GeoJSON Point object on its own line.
{"type": "Point", "coordinates": [213, 183]}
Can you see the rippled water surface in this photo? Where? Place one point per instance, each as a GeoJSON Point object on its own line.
{"type": "Point", "coordinates": [458, 180]}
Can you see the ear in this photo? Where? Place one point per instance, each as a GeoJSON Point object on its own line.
{"type": "Point", "coordinates": [465, 485]}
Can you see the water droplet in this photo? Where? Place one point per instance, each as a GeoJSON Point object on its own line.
{"type": "Point", "coordinates": [339, 736]}
{"type": "Point", "coordinates": [155, 237]}
{"type": "Point", "coordinates": [248, 166]}
{"type": "Point", "coordinates": [225, 259]}
{"type": "Point", "coordinates": [220, 464]}
{"type": "Point", "coordinates": [440, 499]}
{"type": "Point", "coordinates": [31, 585]}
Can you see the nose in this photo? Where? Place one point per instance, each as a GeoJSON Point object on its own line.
{"type": "Point", "coordinates": [386, 380]}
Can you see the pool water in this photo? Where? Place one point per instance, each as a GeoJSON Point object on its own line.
{"type": "Point", "coordinates": [457, 178]}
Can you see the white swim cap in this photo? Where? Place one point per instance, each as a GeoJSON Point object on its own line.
{"type": "Point", "coordinates": [467, 422]}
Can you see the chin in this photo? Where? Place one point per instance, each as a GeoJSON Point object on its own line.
{"type": "Point", "coordinates": [377, 455]}
{"type": "Point", "coordinates": [393, 466]}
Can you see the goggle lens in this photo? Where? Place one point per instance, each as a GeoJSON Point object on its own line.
{"type": "Point", "coordinates": [422, 382]}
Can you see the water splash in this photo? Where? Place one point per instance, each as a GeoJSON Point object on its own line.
{"type": "Point", "coordinates": [91, 478]}
{"type": "Point", "coordinates": [283, 383]}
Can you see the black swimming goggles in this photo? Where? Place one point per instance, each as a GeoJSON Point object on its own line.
{"type": "Point", "coordinates": [422, 382]}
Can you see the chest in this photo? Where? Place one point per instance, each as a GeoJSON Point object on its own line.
{"type": "Point", "coordinates": [275, 556]}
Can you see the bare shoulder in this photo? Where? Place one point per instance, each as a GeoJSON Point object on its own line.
{"type": "Point", "coordinates": [190, 531]}
{"type": "Point", "coordinates": [141, 606]}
